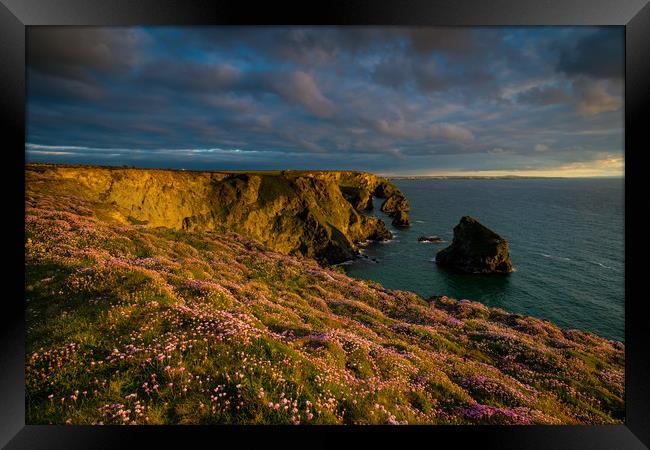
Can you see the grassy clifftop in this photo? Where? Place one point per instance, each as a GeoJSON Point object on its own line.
{"type": "Point", "coordinates": [293, 212]}
{"type": "Point", "coordinates": [134, 324]}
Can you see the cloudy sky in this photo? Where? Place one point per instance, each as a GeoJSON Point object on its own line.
{"type": "Point", "coordinates": [395, 101]}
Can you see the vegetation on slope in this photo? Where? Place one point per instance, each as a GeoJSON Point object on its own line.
{"type": "Point", "coordinates": [129, 324]}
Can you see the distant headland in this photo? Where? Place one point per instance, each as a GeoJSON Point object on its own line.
{"type": "Point", "coordinates": [465, 177]}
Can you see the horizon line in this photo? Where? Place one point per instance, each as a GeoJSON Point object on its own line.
{"type": "Point", "coordinates": [456, 174]}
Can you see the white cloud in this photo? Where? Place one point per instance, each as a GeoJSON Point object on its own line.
{"type": "Point", "coordinates": [451, 132]}
{"type": "Point", "coordinates": [302, 89]}
{"type": "Point", "coordinates": [52, 153]}
{"type": "Point", "coordinates": [510, 91]}
{"type": "Point", "coordinates": [593, 97]}
{"type": "Point", "coordinates": [399, 129]}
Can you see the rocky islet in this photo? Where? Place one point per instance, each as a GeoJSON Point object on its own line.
{"type": "Point", "coordinates": [475, 249]}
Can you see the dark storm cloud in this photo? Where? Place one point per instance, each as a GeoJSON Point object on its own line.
{"type": "Point", "coordinates": [435, 59]}
{"type": "Point", "coordinates": [328, 44]}
{"type": "Point", "coordinates": [383, 99]}
{"type": "Point", "coordinates": [72, 51]}
{"type": "Point", "coordinates": [189, 77]}
{"type": "Point", "coordinates": [63, 89]}
{"type": "Point", "coordinates": [598, 54]}
{"type": "Point", "coordinates": [449, 40]}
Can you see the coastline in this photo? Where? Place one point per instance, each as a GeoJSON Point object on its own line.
{"type": "Point", "coordinates": [570, 272]}
{"type": "Point", "coordinates": [435, 360]}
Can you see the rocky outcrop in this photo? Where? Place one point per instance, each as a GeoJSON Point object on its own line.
{"type": "Point", "coordinates": [395, 204]}
{"type": "Point", "coordinates": [433, 239]}
{"type": "Point", "coordinates": [400, 219]}
{"type": "Point", "coordinates": [306, 213]}
{"type": "Point", "coordinates": [359, 197]}
{"type": "Point", "coordinates": [475, 249]}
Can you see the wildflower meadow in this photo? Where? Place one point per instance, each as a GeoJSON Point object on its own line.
{"type": "Point", "coordinates": [134, 325]}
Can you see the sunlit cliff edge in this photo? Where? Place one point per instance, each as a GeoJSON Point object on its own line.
{"type": "Point", "coordinates": [305, 213]}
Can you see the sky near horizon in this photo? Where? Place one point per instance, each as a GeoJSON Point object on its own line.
{"type": "Point", "coordinates": [544, 101]}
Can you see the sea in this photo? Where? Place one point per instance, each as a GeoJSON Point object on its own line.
{"type": "Point", "coordinates": [566, 241]}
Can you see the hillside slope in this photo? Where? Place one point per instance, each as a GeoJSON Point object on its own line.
{"type": "Point", "coordinates": [293, 212]}
{"type": "Point", "coordinates": [132, 324]}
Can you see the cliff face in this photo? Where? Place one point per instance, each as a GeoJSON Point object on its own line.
{"type": "Point", "coordinates": [312, 214]}
{"type": "Point", "coordinates": [475, 249]}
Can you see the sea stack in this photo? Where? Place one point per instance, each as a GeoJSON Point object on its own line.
{"type": "Point", "coordinates": [475, 249]}
{"type": "Point", "coordinates": [396, 206]}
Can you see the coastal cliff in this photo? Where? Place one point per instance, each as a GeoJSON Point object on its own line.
{"type": "Point", "coordinates": [133, 324]}
{"type": "Point", "coordinates": [313, 214]}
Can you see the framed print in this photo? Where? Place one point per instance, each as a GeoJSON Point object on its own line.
{"type": "Point", "coordinates": [254, 223]}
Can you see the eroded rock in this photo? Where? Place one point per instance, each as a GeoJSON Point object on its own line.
{"type": "Point", "coordinates": [401, 219]}
{"type": "Point", "coordinates": [475, 249]}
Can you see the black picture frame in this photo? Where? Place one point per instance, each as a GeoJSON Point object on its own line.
{"type": "Point", "coordinates": [16, 15]}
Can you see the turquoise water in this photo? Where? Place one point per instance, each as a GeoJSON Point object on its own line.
{"type": "Point", "coordinates": [566, 244]}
